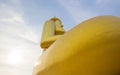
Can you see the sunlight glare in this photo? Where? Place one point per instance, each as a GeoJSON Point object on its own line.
{"type": "Point", "coordinates": [15, 57]}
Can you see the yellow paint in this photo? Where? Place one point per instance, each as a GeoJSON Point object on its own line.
{"type": "Point", "coordinates": [53, 29]}
{"type": "Point", "coordinates": [90, 48]}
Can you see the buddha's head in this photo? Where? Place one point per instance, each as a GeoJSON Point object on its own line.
{"type": "Point", "coordinates": [57, 21]}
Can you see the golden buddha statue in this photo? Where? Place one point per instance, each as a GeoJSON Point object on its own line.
{"type": "Point", "coordinates": [90, 48]}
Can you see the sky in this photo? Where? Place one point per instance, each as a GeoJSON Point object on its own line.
{"type": "Point", "coordinates": [22, 21]}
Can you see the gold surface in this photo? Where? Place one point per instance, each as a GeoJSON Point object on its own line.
{"type": "Point", "coordinates": [52, 30]}
{"type": "Point", "coordinates": [90, 48]}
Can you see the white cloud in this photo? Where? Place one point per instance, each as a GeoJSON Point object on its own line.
{"type": "Point", "coordinates": [19, 42]}
{"type": "Point", "coordinates": [15, 1]}
{"type": "Point", "coordinates": [12, 21]}
{"type": "Point", "coordinates": [81, 10]}
{"type": "Point", "coordinates": [77, 10]}
{"type": "Point", "coordinates": [102, 1]}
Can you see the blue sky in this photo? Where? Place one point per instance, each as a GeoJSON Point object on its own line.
{"type": "Point", "coordinates": [21, 23]}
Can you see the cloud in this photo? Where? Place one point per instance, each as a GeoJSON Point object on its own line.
{"type": "Point", "coordinates": [76, 8]}
{"type": "Point", "coordinates": [12, 21]}
{"type": "Point", "coordinates": [15, 1]}
{"type": "Point", "coordinates": [81, 10]}
{"type": "Point", "coordinates": [19, 41]}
